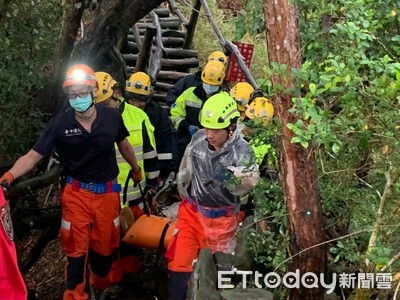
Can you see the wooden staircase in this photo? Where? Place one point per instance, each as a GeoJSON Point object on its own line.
{"type": "Point", "coordinates": [159, 45]}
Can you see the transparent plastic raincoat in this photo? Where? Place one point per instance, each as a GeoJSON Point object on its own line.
{"type": "Point", "coordinates": [199, 176]}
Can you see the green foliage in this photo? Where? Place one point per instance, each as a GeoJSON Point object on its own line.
{"type": "Point", "coordinates": [251, 20]}
{"type": "Point", "coordinates": [346, 105]}
{"type": "Point", "coordinates": [269, 247]}
{"type": "Point", "coordinates": [28, 39]}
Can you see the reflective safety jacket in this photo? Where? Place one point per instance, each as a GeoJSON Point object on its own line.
{"type": "Point", "coordinates": [187, 107]}
{"type": "Point", "coordinates": [164, 134]}
{"type": "Point", "coordinates": [191, 80]}
{"type": "Point", "coordinates": [141, 137]}
{"type": "Point", "coordinates": [260, 150]}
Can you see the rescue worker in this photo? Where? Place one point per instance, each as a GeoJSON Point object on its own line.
{"type": "Point", "coordinates": [138, 93]}
{"type": "Point", "coordinates": [192, 80]}
{"type": "Point", "coordinates": [84, 138]}
{"type": "Point", "coordinates": [241, 93]}
{"type": "Point", "coordinates": [141, 137]}
{"type": "Point", "coordinates": [260, 111]}
{"type": "Point", "coordinates": [12, 286]}
{"type": "Point", "coordinates": [217, 168]}
{"type": "Point", "coordinates": [185, 111]}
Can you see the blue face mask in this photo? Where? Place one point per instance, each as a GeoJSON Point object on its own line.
{"type": "Point", "coordinates": [81, 104]}
{"type": "Point", "coordinates": [210, 89]}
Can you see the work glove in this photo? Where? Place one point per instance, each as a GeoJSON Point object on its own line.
{"type": "Point", "coordinates": [192, 129]}
{"type": "Point", "coordinates": [6, 179]}
{"type": "Point", "coordinates": [137, 177]}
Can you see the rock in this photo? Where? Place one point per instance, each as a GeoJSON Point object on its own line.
{"type": "Point", "coordinates": [203, 281]}
{"type": "Point", "coordinates": [224, 261]}
{"type": "Point", "coordinates": [242, 259]}
{"type": "Point", "coordinates": [244, 294]}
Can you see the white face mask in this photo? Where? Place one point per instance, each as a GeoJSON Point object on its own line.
{"type": "Point", "coordinates": [210, 89]}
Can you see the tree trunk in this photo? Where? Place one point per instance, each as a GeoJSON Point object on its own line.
{"type": "Point", "coordinates": [297, 163]}
{"type": "Point", "coordinates": [111, 22]}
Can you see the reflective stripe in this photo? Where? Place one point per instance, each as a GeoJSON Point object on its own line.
{"type": "Point", "coordinates": [116, 222]}
{"type": "Point", "coordinates": [151, 154]}
{"type": "Point", "coordinates": [121, 160]}
{"type": "Point", "coordinates": [193, 103]}
{"type": "Point", "coordinates": [153, 174]}
{"type": "Point", "coordinates": [164, 156]}
{"type": "Point", "coordinates": [138, 149]}
{"type": "Point", "coordinates": [65, 224]}
{"type": "Point", "coordinates": [177, 119]}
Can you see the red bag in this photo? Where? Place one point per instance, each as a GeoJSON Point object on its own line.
{"type": "Point", "coordinates": [234, 73]}
{"type": "Point", "coordinates": [12, 286]}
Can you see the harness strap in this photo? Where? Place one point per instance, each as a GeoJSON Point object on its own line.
{"type": "Point", "coordinates": [161, 243]}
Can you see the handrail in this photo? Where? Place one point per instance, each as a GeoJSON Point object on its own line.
{"type": "Point", "coordinates": [177, 12]}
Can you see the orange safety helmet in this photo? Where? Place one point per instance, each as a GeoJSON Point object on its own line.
{"type": "Point", "coordinates": [80, 74]}
{"type": "Point", "coordinates": [262, 108]}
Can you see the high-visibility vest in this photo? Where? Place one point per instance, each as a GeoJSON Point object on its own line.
{"type": "Point", "coordinates": [134, 119]}
{"type": "Point", "coordinates": [188, 107]}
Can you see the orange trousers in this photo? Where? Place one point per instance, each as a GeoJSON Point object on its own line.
{"type": "Point", "coordinates": [195, 231]}
{"type": "Point", "coordinates": [123, 262]}
{"type": "Point", "coordinates": [89, 234]}
{"type": "Point", "coordinates": [12, 286]}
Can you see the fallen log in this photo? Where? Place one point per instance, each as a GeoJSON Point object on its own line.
{"type": "Point", "coordinates": [180, 53]}
{"type": "Point", "coordinates": [180, 64]}
{"type": "Point", "coordinates": [165, 24]}
{"type": "Point", "coordinates": [171, 75]}
{"type": "Point", "coordinates": [130, 59]}
{"type": "Point", "coordinates": [131, 47]}
{"type": "Point", "coordinates": [34, 183]}
{"type": "Point", "coordinates": [164, 32]}
{"type": "Point", "coordinates": [159, 97]}
{"type": "Point", "coordinates": [162, 12]}
{"type": "Point", "coordinates": [162, 86]}
{"type": "Point", "coordinates": [171, 42]}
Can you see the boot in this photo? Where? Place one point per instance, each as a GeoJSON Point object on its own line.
{"type": "Point", "coordinates": [96, 294]}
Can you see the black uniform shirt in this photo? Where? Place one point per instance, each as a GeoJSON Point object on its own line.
{"type": "Point", "coordinates": [88, 157]}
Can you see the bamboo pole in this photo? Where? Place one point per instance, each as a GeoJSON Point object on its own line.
{"type": "Point", "coordinates": [228, 45]}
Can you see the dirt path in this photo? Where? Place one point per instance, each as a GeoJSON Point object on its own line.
{"type": "Point", "coordinates": [46, 277]}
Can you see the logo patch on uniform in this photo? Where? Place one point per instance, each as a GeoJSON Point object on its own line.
{"type": "Point", "coordinates": [5, 218]}
{"type": "Point", "coordinates": [72, 132]}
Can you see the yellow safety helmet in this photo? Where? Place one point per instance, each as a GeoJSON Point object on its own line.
{"type": "Point", "coordinates": [213, 73]}
{"type": "Point", "coordinates": [218, 56]}
{"type": "Point", "coordinates": [79, 75]}
{"type": "Point", "coordinates": [218, 111]}
{"type": "Point", "coordinates": [241, 94]}
{"type": "Point", "coordinates": [138, 84]}
{"type": "Point", "coordinates": [260, 107]}
{"type": "Point", "coordinates": [105, 85]}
